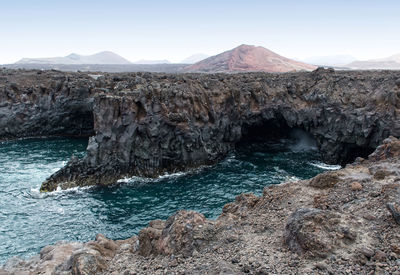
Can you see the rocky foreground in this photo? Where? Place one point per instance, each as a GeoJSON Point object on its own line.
{"type": "Point", "coordinates": [340, 222]}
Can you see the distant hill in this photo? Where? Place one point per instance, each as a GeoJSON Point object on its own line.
{"type": "Point", "coordinates": [387, 63]}
{"type": "Point", "coordinates": [112, 68]}
{"type": "Point", "coordinates": [101, 58]}
{"type": "Point", "coordinates": [330, 60]}
{"type": "Point", "coordinates": [246, 58]}
{"type": "Point", "coordinates": [151, 62]}
{"type": "Point", "coordinates": [194, 58]}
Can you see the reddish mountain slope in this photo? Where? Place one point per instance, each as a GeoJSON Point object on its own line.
{"type": "Point", "coordinates": [246, 58]}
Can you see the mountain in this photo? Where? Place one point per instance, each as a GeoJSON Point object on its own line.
{"type": "Point", "coordinates": [105, 57]}
{"type": "Point", "coordinates": [194, 58]}
{"type": "Point", "coordinates": [387, 63]}
{"type": "Point", "coordinates": [151, 62]}
{"type": "Point", "coordinates": [395, 58]}
{"type": "Point", "coordinates": [338, 60]}
{"type": "Point", "coordinates": [246, 58]}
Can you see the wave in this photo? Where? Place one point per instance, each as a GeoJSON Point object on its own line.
{"type": "Point", "coordinates": [35, 192]}
{"type": "Point", "coordinates": [325, 166]}
{"type": "Point", "coordinates": [136, 179]}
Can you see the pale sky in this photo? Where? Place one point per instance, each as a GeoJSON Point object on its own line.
{"type": "Point", "coordinates": [174, 29]}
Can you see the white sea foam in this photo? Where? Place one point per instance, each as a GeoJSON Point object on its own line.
{"type": "Point", "coordinates": [35, 192]}
{"type": "Point", "coordinates": [146, 179]}
{"type": "Point", "coordinates": [173, 175]}
{"type": "Point", "coordinates": [136, 179]}
{"type": "Point", "coordinates": [325, 166]}
{"type": "Point", "coordinates": [291, 178]}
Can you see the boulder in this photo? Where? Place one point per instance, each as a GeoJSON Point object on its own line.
{"type": "Point", "coordinates": [325, 180]}
{"type": "Point", "coordinates": [182, 233]}
{"type": "Point", "coordinates": [318, 233]}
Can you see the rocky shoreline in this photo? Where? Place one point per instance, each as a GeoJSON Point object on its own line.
{"type": "Point", "coordinates": [160, 124]}
{"type": "Point", "coordinates": [340, 222]}
{"type": "Point", "coordinates": [145, 124]}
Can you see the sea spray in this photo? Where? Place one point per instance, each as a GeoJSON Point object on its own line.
{"type": "Point", "coordinates": [302, 141]}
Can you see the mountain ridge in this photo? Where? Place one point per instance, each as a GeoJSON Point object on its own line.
{"type": "Point", "coordinates": [194, 58]}
{"type": "Point", "coordinates": [101, 58]}
{"type": "Point", "coordinates": [387, 63]}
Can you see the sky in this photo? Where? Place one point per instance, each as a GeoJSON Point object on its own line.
{"type": "Point", "coordinates": [174, 30]}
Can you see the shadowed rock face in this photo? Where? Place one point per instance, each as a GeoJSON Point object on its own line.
{"type": "Point", "coordinates": [148, 124]}
{"type": "Point", "coordinates": [36, 103]}
{"type": "Point", "coordinates": [171, 123]}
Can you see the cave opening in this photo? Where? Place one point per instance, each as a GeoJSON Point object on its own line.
{"type": "Point", "coordinates": [264, 130]}
{"type": "Point", "coordinates": [351, 151]}
{"type": "Point", "coordinates": [276, 131]}
{"type": "Point", "coordinates": [79, 122]}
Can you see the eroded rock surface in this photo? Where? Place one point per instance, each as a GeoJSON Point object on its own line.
{"type": "Point", "coordinates": [48, 103]}
{"type": "Point", "coordinates": [148, 124]}
{"type": "Point", "coordinates": [293, 228]}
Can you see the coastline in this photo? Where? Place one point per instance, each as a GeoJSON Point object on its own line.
{"type": "Point", "coordinates": [338, 222]}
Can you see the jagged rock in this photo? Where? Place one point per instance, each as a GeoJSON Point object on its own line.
{"type": "Point", "coordinates": [394, 209]}
{"type": "Point", "coordinates": [148, 124]}
{"type": "Point", "coordinates": [182, 233]}
{"type": "Point", "coordinates": [317, 232]}
{"type": "Point", "coordinates": [181, 125]}
{"type": "Point", "coordinates": [67, 258]}
{"type": "Point", "coordinates": [325, 180]}
{"type": "Point", "coordinates": [242, 203]}
{"type": "Point", "coordinates": [149, 238]}
{"type": "Point", "coordinates": [87, 263]}
{"type": "Point", "coordinates": [390, 148]}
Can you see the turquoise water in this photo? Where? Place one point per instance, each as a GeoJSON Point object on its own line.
{"type": "Point", "coordinates": [30, 220]}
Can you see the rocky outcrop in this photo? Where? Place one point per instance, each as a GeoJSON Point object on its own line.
{"type": "Point", "coordinates": [293, 228]}
{"type": "Point", "coordinates": [319, 232]}
{"type": "Point", "coordinates": [36, 103]}
{"type": "Point", "coordinates": [182, 233]}
{"type": "Point", "coordinates": [70, 258]}
{"type": "Point", "coordinates": [149, 124]}
{"type": "Point", "coordinates": [167, 123]}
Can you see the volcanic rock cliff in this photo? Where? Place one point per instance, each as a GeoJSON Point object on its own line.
{"type": "Point", "coordinates": [36, 103]}
{"type": "Point", "coordinates": [159, 124]}
{"type": "Point", "coordinates": [148, 124]}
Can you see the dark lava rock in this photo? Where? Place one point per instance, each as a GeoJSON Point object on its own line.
{"type": "Point", "coordinates": [147, 124]}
